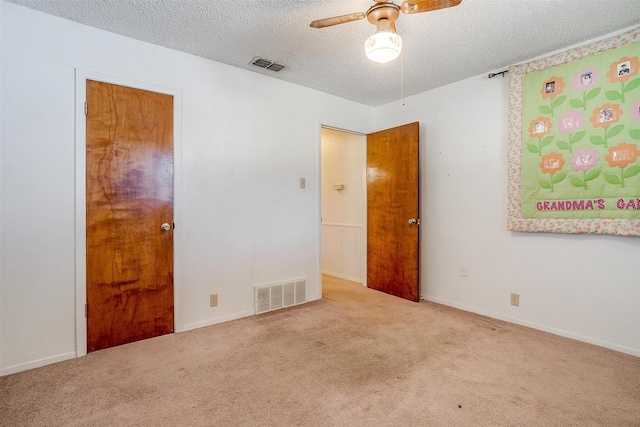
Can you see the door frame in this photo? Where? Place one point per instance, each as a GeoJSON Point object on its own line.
{"type": "Point", "coordinates": [81, 77]}
{"type": "Point", "coordinates": [341, 127]}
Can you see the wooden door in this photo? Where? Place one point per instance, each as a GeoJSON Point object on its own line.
{"type": "Point", "coordinates": [393, 211]}
{"type": "Point", "coordinates": [129, 197]}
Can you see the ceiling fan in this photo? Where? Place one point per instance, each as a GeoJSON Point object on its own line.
{"type": "Point", "coordinates": [385, 45]}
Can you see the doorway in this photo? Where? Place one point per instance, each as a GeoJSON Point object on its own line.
{"type": "Point", "coordinates": [385, 237]}
{"type": "Point", "coordinates": [343, 204]}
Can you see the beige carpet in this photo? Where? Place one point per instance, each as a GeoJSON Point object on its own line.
{"type": "Point", "coordinates": [356, 358]}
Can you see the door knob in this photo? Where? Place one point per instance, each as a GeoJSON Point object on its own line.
{"type": "Point", "coordinates": [414, 221]}
{"type": "Point", "coordinates": [165, 227]}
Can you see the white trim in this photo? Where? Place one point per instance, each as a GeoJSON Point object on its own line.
{"type": "Point", "coordinates": [37, 363]}
{"type": "Point", "coordinates": [342, 276]}
{"type": "Point", "coordinates": [339, 224]}
{"type": "Point", "coordinates": [217, 320]}
{"type": "Point", "coordinates": [80, 200]}
{"type": "Point", "coordinates": [536, 326]}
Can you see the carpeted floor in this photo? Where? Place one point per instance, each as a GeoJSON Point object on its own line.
{"type": "Point", "coordinates": [355, 358]}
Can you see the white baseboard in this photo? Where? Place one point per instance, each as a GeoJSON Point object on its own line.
{"type": "Point", "coordinates": [342, 276]}
{"type": "Point", "coordinates": [36, 363]}
{"type": "Point", "coordinates": [211, 322]}
{"type": "Point", "coordinates": [543, 328]}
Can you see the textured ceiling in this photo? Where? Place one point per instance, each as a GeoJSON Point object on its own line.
{"type": "Point", "coordinates": [439, 47]}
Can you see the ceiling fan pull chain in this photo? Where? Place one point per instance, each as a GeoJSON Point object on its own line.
{"type": "Point", "coordinates": [402, 77]}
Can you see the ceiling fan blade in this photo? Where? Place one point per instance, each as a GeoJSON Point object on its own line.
{"type": "Point", "coordinates": [417, 6]}
{"type": "Point", "coordinates": [328, 22]}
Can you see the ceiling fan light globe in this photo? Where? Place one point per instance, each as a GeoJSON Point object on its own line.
{"type": "Point", "coordinates": [383, 46]}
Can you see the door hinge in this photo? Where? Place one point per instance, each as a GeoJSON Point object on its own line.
{"type": "Point", "coordinates": [86, 309]}
{"type": "Point", "coordinates": [85, 108]}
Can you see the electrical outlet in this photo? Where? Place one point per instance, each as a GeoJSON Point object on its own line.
{"type": "Point", "coordinates": [515, 300]}
{"type": "Point", "coordinates": [213, 300]}
{"type": "Point", "coordinates": [464, 271]}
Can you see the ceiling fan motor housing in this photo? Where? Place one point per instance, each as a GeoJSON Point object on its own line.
{"type": "Point", "coordinates": [388, 11]}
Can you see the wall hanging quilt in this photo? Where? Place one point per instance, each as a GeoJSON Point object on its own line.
{"type": "Point", "coordinates": [574, 140]}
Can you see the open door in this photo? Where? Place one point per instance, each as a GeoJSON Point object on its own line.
{"type": "Point", "coordinates": [393, 211]}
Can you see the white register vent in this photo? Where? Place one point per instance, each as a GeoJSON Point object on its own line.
{"type": "Point", "coordinates": [280, 295]}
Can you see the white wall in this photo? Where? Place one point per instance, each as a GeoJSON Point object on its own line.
{"type": "Point", "coordinates": [344, 214]}
{"type": "Point", "coordinates": [246, 140]}
{"type": "Point", "coordinates": [581, 286]}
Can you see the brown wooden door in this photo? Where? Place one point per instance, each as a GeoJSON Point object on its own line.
{"type": "Point", "coordinates": [129, 196]}
{"type": "Point", "coordinates": [392, 204]}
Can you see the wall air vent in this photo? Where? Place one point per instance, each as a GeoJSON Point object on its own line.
{"type": "Point", "coordinates": [280, 295]}
{"type": "Point", "coordinates": [267, 64]}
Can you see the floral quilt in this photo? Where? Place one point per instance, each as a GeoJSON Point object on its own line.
{"type": "Point", "coordinates": [574, 140]}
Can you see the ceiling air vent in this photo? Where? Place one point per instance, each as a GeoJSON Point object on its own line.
{"type": "Point", "coordinates": [265, 63]}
